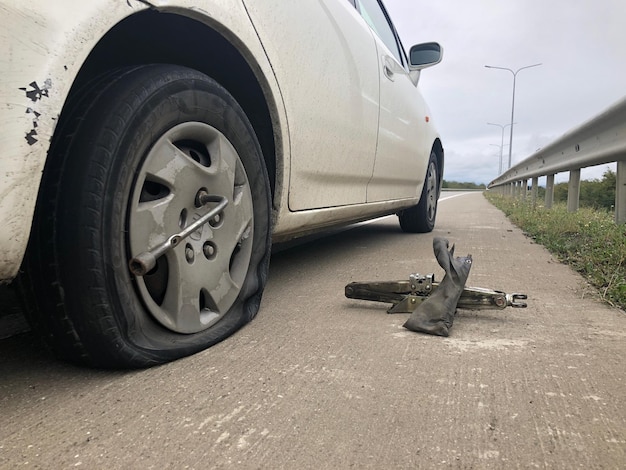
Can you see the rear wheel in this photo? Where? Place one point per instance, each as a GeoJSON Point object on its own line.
{"type": "Point", "coordinates": [144, 155]}
{"type": "Point", "coordinates": [421, 217]}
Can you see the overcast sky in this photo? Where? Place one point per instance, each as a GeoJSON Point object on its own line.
{"type": "Point", "coordinates": [581, 44]}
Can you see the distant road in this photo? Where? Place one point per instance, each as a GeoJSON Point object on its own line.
{"type": "Point", "coordinates": [318, 381]}
{"type": "Point", "coordinates": [445, 195]}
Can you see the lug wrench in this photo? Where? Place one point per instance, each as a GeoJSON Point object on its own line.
{"type": "Point", "coordinates": [144, 262]}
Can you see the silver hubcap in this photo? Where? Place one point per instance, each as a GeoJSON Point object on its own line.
{"type": "Point", "coordinates": [194, 284]}
{"type": "Point", "coordinates": [431, 191]}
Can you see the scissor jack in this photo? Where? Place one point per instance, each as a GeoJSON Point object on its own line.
{"type": "Point", "coordinates": [432, 304]}
{"type": "Point", "coordinates": [405, 296]}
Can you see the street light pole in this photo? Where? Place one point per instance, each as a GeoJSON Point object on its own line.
{"type": "Point", "coordinates": [501, 142]}
{"type": "Point", "coordinates": [512, 102]}
{"type": "Point", "coordinates": [500, 167]}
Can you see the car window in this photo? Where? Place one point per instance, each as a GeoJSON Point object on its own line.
{"type": "Point", "coordinates": [374, 15]}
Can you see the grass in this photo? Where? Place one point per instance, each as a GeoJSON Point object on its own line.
{"type": "Point", "coordinates": [588, 240]}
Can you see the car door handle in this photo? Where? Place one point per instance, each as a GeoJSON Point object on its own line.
{"type": "Point", "coordinates": [388, 72]}
{"type": "Point", "coordinates": [388, 68]}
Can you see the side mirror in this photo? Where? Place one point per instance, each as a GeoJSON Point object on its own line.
{"type": "Point", "coordinates": [425, 55]}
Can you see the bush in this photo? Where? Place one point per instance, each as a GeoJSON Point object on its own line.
{"type": "Point", "coordinates": [597, 193]}
{"type": "Point", "coordinates": [588, 240]}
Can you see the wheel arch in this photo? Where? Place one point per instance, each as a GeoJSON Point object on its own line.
{"type": "Point", "coordinates": [193, 39]}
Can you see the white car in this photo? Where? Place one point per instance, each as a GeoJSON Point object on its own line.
{"type": "Point", "coordinates": [152, 150]}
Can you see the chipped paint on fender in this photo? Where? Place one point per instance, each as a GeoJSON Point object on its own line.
{"type": "Point", "coordinates": [43, 47]}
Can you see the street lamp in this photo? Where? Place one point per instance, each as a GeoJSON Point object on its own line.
{"type": "Point", "coordinates": [512, 102]}
{"type": "Point", "coordinates": [501, 143]}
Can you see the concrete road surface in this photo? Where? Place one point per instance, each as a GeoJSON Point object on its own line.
{"type": "Point", "coordinates": [319, 381]}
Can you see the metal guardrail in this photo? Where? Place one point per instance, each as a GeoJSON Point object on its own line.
{"type": "Point", "coordinates": [598, 141]}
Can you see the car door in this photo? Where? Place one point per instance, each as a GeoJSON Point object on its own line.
{"type": "Point", "coordinates": [325, 61]}
{"type": "Point", "coordinates": [401, 155]}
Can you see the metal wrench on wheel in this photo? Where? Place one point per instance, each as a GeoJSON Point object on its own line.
{"type": "Point", "coordinates": [144, 262]}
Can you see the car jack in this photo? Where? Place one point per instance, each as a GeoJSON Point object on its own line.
{"type": "Point", "coordinates": [405, 296]}
{"type": "Point", "coordinates": [433, 305]}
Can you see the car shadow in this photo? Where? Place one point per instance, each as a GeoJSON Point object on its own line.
{"type": "Point", "coordinates": [332, 242]}
{"type": "Point", "coordinates": [24, 355]}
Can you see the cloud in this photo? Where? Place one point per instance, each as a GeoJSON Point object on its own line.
{"type": "Point", "coordinates": [580, 44]}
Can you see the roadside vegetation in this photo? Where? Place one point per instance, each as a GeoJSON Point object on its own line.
{"type": "Point", "coordinates": [456, 185]}
{"type": "Point", "coordinates": [596, 193]}
{"type": "Point", "coordinates": [588, 240]}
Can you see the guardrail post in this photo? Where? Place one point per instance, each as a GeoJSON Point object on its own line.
{"type": "Point", "coordinates": [533, 194]}
{"type": "Point", "coordinates": [549, 191]}
{"type": "Point", "coordinates": [573, 190]}
{"type": "Point", "coordinates": [620, 193]}
{"type": "Point", "coordinates": [524, 189]}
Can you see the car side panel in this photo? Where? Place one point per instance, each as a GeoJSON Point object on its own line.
{"type": "Point", "coordinates": [404, 140]}
{"type": "Point", "coordinates": [324, 58]}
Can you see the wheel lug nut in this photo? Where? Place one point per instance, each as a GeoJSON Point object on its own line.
{"type": "Point", "coordinates": [189, 254]}
{"type": "Point", "coordinates": [209, 250]}
{"type": "Point", "coordinates": [201, 198]}
{"type": "Point", "coordinates": [215, 221]}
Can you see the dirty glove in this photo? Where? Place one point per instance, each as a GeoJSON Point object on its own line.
{"type": "Point", "coordinates": [436, 314]}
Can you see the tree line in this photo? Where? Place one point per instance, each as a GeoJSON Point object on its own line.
{"type": "Point", "coordinates": [595, 193]}
{"type": "Point", "coordinates": [466, 185]}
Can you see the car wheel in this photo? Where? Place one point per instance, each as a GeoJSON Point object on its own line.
{"type": "Point", "coordinates": [151, 237]}
{"type": "Point", "coordinates": [421, 217]}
